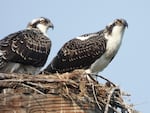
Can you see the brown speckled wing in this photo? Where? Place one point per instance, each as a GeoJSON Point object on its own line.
{"type": "Point", "coordinates": [78, 54]}
{"type": "Point", "coordinates": [29, 47]}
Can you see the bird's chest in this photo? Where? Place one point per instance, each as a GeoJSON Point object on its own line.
{"type": "Point", "coordinates": [111, 50]}
{"type": "Point", "coordinates": [112, 47]}
{"type": "Point", "coordinates": [99, 64]}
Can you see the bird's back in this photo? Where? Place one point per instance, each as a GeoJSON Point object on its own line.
{"type": "Point", "coordinates": [26, 47]}
{"type": "Point", "coordinates": [78, 54]}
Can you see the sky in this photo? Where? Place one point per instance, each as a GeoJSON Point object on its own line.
{"type": "Point", "coordinates": [130, 68]}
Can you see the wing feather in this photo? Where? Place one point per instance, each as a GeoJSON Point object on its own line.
{"type": "Point", "coordinates": [29, 47]}
{"type": "Point", "coordinates": [77, 54]}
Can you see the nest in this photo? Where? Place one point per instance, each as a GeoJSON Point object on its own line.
{"type": "Point", "coordinates": [70, 93]}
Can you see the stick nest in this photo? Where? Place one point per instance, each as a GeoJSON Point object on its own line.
{"type": "Point", "coordinates": [74, 87]}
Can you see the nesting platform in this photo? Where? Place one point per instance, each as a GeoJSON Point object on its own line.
{"type": "Point", "coordinates": [59, 93]}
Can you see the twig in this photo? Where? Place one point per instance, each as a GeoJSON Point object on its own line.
{"type": "Point", "coordinates": [35, 84]}
{"type": "Point", "coordinates": [67, 92]}
{"type": "Point", "coordinates": [34, 80]}
{"type": "Point", "coordinates": [93, 74]}
{"type": "Point", "coordinates": [113, 108]}
{"type": "Point", "coordinates": [33, 88]}
{"type": "Point", "coordinates": [105, 79]}
{"type": "Point", "coordinates": [108, 99]}
{"type": "Point", "coordinates": [93, 89]}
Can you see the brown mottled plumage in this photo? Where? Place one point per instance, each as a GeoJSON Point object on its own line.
{"type": "Point", "coordinates": [92, 52]}
{"type": "Point", "coordinates": [26, 51]}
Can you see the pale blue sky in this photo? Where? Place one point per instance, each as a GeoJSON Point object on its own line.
{"type": "Point", "coordinates": [130, 69]}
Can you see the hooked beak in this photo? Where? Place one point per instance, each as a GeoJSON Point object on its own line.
{"type": "Point", "coordinates": [51, 26]}
{"type": "Point", "coordinates": [125, 23]}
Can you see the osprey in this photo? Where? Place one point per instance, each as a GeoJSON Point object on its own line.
{"type": "Point", "coordinates": [26, 51]}
{"type": "Point", "coordinates": [92, 52]}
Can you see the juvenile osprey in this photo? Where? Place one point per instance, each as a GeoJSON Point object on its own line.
{"type": "Point", "coordinates": [92, 52]}
{"type": "Point", "coordinates": [26, 51]}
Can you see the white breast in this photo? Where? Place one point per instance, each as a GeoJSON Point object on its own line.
{"type": "Point", "coordinates": [113, 43]}
{"type": "Point", "coordinates": [99, 64]}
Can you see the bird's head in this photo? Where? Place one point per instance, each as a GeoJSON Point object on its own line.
{"type": "Point", "coordinates": [117, 26]}
{"type": "Point", "coordinates": [42, 23]}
